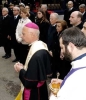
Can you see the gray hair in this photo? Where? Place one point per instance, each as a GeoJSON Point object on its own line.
{"type": "Point", "coordinates": [55, 15]}
{"type": "Point", "coordinates": [45, 5]}
{"type": "Point", "coordinates": [6, 9]}
{"type": "Point", "coordinates": [82, 6]}
{"type": "Point", "coordinates": [38, 33]}
{"type": "Point", "coordinates": [35, 31]}
{"type": "Point", "coordinates": [16, 8]}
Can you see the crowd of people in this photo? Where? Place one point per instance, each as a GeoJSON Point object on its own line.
{"type": "Point", "coordinates": [44, 45]}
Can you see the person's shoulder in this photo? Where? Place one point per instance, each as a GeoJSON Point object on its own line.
{"type": "Point", "coordinates": [8, 16]}
{"type": "Point", "coordinates": [41, 53]}
{"type": "Point", "coordinates": [85, 13]}
{"type": "Point", "coordinates": [28, 20]}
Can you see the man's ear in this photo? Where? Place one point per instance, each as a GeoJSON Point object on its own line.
{"type": "Point", "coordinates": [70, 47]}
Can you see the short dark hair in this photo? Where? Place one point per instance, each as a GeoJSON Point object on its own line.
{"type": "Point", "coordinates": [75, 36]}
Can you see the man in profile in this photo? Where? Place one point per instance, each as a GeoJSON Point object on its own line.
{"type": "Point", "coordinates": [68, 11]}
{"type": "Point", "coordinates": [76, 19]}
{"type": "Point", "coordinates": [33, 74]}
{"type": "Point", "coordinates": [73, 46]}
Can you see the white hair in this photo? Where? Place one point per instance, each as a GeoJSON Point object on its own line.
{"type": "Point", "coordinates": [35, 31]}
{"type": "Point", "coordinates": [16, 8]}
{"type": "Point", "coordinates": [6, 9]}
{"type": "Point", "coordinates": [55, 15]}
{"type": "Point", "coordinates": [38, 33]}
{"type": "Point", "coordinates": [44, 5]}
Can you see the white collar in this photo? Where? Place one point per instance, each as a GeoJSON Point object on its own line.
{"type": "Point", "coordinates": [16, 16]}
{"type": "Point", "coordinates": [54, 25]}
{"type": "Point", "coordinates": [32, 43]}
{"type": "Point", "coordinates": [6, 15]}
{"type": "Point", "coordinates": [79, 63]}
{"type": "Point", "coordinates": [70, 9]}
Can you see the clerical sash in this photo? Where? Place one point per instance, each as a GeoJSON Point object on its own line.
{"type": "Point", "coordinates": [36, 46]}
{"type": "Point", "coordinates": [70, 73]}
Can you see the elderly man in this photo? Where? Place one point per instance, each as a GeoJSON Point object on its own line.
{"type": "Point", "coordinates": [34, 73]}
{"type": "Point", "coordinates": [5, 32]}
{"type": "Point", "coordinates": [14, 21]}
{"type": "Point", "coordinates": [76, 19]}
{"type": "Point", "coordinates": [44, 8]}
{"type": "Point", "coordinates": [73, 45]}
{"type": "Point", "coordinates": [52, 35]}
{"type": "Point", "coordinates": [68, 12]}
{"type": "Point", "coordinates": [82, 9]}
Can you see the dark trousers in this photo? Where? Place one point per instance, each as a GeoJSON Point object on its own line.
{"type": "Point", "coordinates": [7, 46]}
{"type": "Point", "coordinates": [23, 53]}
{"type": "Point", "coordinates": [16, 48]}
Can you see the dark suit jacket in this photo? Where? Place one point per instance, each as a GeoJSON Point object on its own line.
{"type": "Point", "coordinates": [5, 25]}
{"type": "Point", "coordinates": [47, 15]}
{"type": "Point", "coordinates": [32, 16]}
{"type": "Point", "coordinates": [43, 27]}
{"type": "Point", "coordinates": [84, 17]}
{"type": "Point", "coordinates": [10, 12]}
{"type": "Point", "coordinates": [14, 23]}
{"type": "Point", "coordinates": [80, 26]}
{"type": "Point", "coordinates": [67, 14]}
{"type": "Point", "coordinates": [4, 28]}
{"type": "Point", "coordinates": [51, 33]}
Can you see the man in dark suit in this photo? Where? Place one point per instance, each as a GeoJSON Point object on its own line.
{"type": "Point", "coordinates": [44, 8]}
{"type": "Point", "coordinates": [5, 32]}
{"type": "Point", "coordinates": [68, 12]}
{"type": "Point", "coordinates": [14, 21]}
{"type": "Point", "coordinates": [11, 9]}
{"type": "Point", "coordinates": [82, 8]}
{"type": "Point", "coordinates": [50, 42]}
{"type": "Point", "coordinates": [76, 19]}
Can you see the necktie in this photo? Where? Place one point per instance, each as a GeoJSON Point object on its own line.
{"type": "Point", "coordinates": [3, 17]}
{"type": "Point", "coordinates": [14, 17]}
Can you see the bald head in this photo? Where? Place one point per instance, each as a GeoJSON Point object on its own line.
{"type": "Point", "coordinates": [75, 18]}
{"type": "Point", "coordinates": [70, 4]}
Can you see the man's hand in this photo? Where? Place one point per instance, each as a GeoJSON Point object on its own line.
{"type": "Point", "coordinates": [50, 52]}
{"type": "Point", "coordinates": [18, 66]}
{"type": "Point", "coordinates": [9, 37]}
